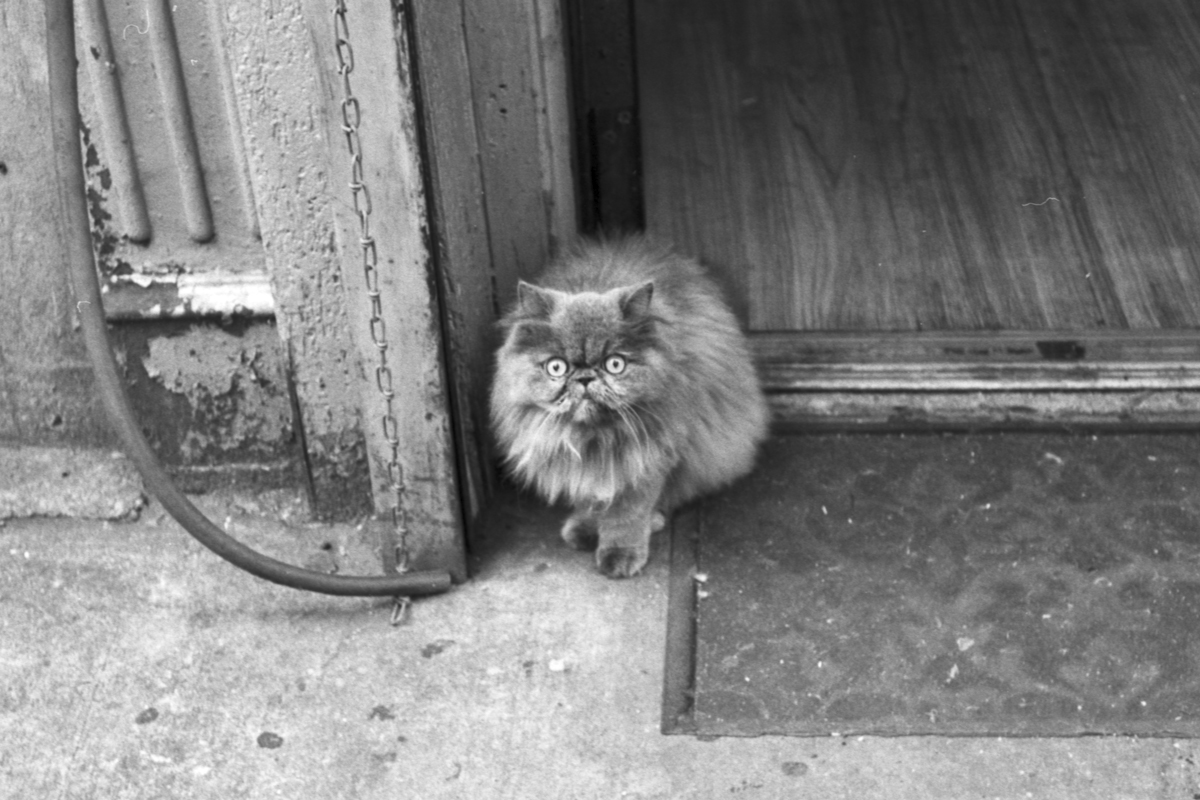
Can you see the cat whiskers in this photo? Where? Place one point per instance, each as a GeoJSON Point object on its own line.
{"type": "Point", "coordinates": [634, 424]}
{"type": "Point", "coordinates": [536, 436]}
{"type": "Point", "coordinates": [644, 413]}
{"type": "Point", "coordinates": [560, 426]}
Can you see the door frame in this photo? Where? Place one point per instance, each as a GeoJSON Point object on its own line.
{"type": "Point", "coordinates": [492, 98]}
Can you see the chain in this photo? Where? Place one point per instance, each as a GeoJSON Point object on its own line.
{"type": "Point", "coordinates": [351, 116]}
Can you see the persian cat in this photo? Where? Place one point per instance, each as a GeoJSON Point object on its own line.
{"type": "Point", "coordinates": [624, 387]}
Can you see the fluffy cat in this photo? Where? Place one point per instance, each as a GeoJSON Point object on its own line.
{"type": "Point", "coordinates": [625, 388]}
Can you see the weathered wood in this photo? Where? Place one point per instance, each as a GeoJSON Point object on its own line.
{"type": "Point", "coordinates": [188, 296]}
{"type": "Point", "coordinates": [279, 101]}
{"type": "Point", "coordinates": [392, 168]}
{"type": "Point", "coordinates": [521, 134]}
{"type": "Point", "coordinates": [459, 233]}
{"type": "Point", "coordinates": [494, 217]}
{"type": "Point", "coordinates": [989, 410]}
{"type": "Point", "coordinates": [47, 394]}
{"type": "Point", "coordinates": [130, 199]}
{"type": "Point", "coordinates": [1003, 361]}
{"type": "Point", "coordinates": [159, 121]}
{"type": "Point", "coordinates": [930, 164]}
{"type": "Point", "coordinates": [552, 100]}
{"type": "Point", "coordinates": [983, 379]}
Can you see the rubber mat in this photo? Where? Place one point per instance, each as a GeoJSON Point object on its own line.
{"type": "Point", "coordinates": [1006, 584]}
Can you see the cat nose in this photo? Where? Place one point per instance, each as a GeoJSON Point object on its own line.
{"type": "Point", "coordinates": [584, 380]}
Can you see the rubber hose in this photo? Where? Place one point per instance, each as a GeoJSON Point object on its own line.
{"type": "Point", "coordinates": [65, 127]}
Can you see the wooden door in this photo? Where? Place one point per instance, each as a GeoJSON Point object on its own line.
{"type": "Point", "coordinates": [220, 171]}
{"type": "Point", "coordinates": [918, 196]}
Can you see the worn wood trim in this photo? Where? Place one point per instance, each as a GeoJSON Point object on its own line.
{"type": "Point", "coordinates": [555, 128]}
{"type": "Point", "coordinates": [47, 391]}
{"type": "Point", "coordinates": [991, 410]}
{"type": "Point", "coordinates": [460, 236]}
{"type": "Point", "coordinates": [506, 119]}
{"type": "Point", "coordinates": [979, 361]}
{"type": "Point", "coordinates": [393, 168]}
{"type": "Point", "coordinates": [1104, 379]}
{"type": "Point", "coordinates": [275, 86]}
{"type": "Point", "coordinates": [165, 153]}
{"type": "Point", "coordinates": [188, 296]}
{"type": "Point", "coordinates": [679, 671]}
{"type": "Point", "coordinates": [493, 98]}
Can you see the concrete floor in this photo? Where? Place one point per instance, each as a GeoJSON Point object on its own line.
{"type": "Point", "coordinates": [134, 664]}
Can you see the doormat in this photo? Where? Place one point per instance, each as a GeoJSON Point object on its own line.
{"type": "Point", "coordinates": [1003, 584]}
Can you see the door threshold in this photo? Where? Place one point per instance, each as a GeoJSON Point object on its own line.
{"type": "Point", "coordinates": [938, 380]}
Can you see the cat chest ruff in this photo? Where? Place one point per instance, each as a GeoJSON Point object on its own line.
{"type": "Point", "coordinates": [580, 463]}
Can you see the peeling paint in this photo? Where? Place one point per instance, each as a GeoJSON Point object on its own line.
{"type": "Point", "coordinates": [279, 75]}
{"type": "Point", "coordinates": [236, 385]}
{"type": "Point", "coordinates": [105, 241]}
{"type": "Point", "coordinates": [180, 295]}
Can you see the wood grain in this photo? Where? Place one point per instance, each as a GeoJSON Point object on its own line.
{"type": "Point", "coordinates": [861, 412]}
{"type": "Point", "coordinates": [459, 236]}
{"type": "Point", "coordinates": [382, 81]}
{"type": "Point", "coordinates": [930, 164]}
{"type": "Point", "coordinates": [492, 85]}
{"type": "Point", "coordinates": [273, 83]}
{"type": "Point", "coordinates": [47, 391]}
{"type": "Point", "coordinates": [933, 361]}
{"type": "Point", "coordinates": [518, 88]}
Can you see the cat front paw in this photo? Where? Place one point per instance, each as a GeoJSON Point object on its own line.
{"type": "Point", "coordinates": [581, 533]}
{"type": "Point", "coordinates": [622, 562]}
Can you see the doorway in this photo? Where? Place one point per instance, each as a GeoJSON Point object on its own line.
{"type": "Point", "coordinates": [934, 195]}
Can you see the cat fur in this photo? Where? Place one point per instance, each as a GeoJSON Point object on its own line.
{"type": "Point", "coordinates": [684, 417]}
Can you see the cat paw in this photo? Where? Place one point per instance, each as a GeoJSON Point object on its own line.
{"type": "Point", "coordinates": [581, 533]}
{"type": "Point", "coordinates": [657, 522]}
{"type": "Point", "coordinates": [621, 562]}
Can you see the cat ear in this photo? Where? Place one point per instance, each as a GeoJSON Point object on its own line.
{"type": "Point", "coordinates": [635, 300]}
{"type": "Point", "coordinates": [534, 302]}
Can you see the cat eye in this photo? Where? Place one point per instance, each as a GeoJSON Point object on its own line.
{"type": "Point", "coordinates": [555, 367]}
{"type": "Point", "coordinates": [615, 365]}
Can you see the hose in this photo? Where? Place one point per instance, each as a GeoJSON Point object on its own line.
{"type": "Point", "coordinates": [65, 126]}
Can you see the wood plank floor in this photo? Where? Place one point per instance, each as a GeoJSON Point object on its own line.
{"type": "Point", "coordinates": [904, 165]}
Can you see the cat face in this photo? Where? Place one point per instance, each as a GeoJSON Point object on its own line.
{"type": "Point", "coordinates": [585, 358]}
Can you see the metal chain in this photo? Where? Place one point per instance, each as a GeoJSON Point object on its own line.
{"type": "Point", "coordinates": [351, 116]}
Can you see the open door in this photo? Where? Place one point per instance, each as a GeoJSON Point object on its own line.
{"type": "Point", "coordinates": [927, 211]}
{"type": "Point", "coordinates": [266, 164]}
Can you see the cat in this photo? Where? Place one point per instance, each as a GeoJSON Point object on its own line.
{"type": "Point", "coordinates": [624, 386]}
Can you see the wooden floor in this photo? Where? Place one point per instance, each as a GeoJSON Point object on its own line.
{"type": "Point", "coordinates": [904, 165]}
